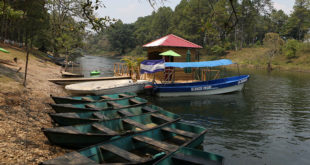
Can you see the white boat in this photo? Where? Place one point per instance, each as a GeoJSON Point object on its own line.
{"type": "Point", "coordinates": [107, 87]}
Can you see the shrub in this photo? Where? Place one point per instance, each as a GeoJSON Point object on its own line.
{"type": "Point", "coordinates": [217, 50]}
{"type": "Point", "coordinates": [290, 48]}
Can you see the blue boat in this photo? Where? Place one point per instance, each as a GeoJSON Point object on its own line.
{"type": "Point", "coordinates": [211, 87]}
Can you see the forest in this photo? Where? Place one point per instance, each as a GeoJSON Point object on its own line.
{"type": "Point", "coordinates": [72, 26]}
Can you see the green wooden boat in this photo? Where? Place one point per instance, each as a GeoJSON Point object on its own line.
{"type": "Point", "coordinates": [95, 72]}
{"type": "Point", "coordinates": [190, 156]}
{"type": "Point", "coordinates": [98, 106]}
{"type": "Point", "coordinates": [79, 136]}
{"type": "Point", "coordinates": [89, 99]}
{"type": "Point", "coordinates": [141, 148]}
{"type": "Point", "coordinates": [73, 118]}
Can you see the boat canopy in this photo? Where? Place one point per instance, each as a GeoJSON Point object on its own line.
{"type": "Point", "coordinates": [198, 64]}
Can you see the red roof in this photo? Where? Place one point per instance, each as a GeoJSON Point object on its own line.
{"type": "Point", "coordinates": [172, 41]}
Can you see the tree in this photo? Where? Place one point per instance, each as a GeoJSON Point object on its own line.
{"type": "Point", "coordinates": [273, 42]}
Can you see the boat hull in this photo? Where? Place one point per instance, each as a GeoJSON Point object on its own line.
{"type": "Point", "coordinates": [213, 87]}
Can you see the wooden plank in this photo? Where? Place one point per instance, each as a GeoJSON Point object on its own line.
{"type": "Point", "coordinates": [91, 106]}
{"type": "Point", "coordinates": [124, 113]}
{"type": "Point", "coordinates": [155, 143]}
{"type": "Point", "coordinates": [160, 116]}
{"type": "Point", "coordinates": [66, 81]}
{"type": "Point", "coordinates": [87, 99]}
{"type": "Point", "coordinates": [134, 101]}
{"type": "Point", "coordinates": [114, 104]}
{"type": "Point", "coordinates": [105, 97]}
{"type": "Point", "coordinates": [122, 153]}
{"type": "Point", "coordinates": [104, 129]}
{"type": "Point", "coordinates": [180, 132]}
{"type": "Point", "coordinates": [136, 124]}
{"type": "Point", "coordinates": [149, 109]}
{"type": "Point", "coordinates": [123, 95]}
{"type": "Point", "coordinates": [193, 159]}
{"type": "Point", "coordinates": [100, 116]}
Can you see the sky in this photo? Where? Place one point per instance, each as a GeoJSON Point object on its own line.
{"type": "Point", "coordinates": [130, 10]}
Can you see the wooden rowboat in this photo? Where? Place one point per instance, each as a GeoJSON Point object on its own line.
{"type": "Point", "coordinates": [98, 106]}
{"type": "Point", "coordinates": [68, 81]}
{"type": "Point", "coordinates": [84, 135]}
{"type": "Point", "coordinates": [145, 147]}
{"type": "Point", "coordinates": [191, 156]}
{"type": "Point", "coordinates": [89, 99]}
{"type": "Point", "coordinates": [73, 118]}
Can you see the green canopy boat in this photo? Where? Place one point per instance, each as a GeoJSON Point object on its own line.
{"type": "Point", "coordinates": [95, 72]}
{"type": "Point", "coordinates": [98, 106]}
{"type": "Point", "coordinates": [145, 147]}
{"type": "Point", "coordinates": [190, 156]}
{"type": "Point", "coordinates": [89, 99]}
{"type": "Point", "coordinates": [73, 118]}
{"type": "Point", "coordinates": [84, 135]}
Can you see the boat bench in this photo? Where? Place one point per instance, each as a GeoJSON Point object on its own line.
{"type": "Point", "coordinates": [87, 99]}
{"type": "Point", "coordinates": [100, 116]}
{"type": "Point", "coordinates": [125, 95]}
{"type": "Point", "coordinates": [155, 143]}
{"type": "Point", "coordinates": [190, 159]}
{"type": "Point", "coordinates": [136, 124]}
{"type": "Point", "coordinates": [163, 117]}
{"type": "Point", "coordinates": [68, 129]}
{"type": "Point", "coordinates": [180, 132]}
{"type": "Point", "coordinates": [124, 113]}
{"type": "Point", "coordinates": [91, 106]}
{"type": "Point", "coordinates": [134, 101]}
{"type": "Point", "coordinates": [104, 129]}
{"type": "Point", "coordinates": [149, 109]}
{"type": "Point", "coordinates": [114, 104]}
{"type": "Point", "coordinates": [122, 153]}
{"type": "Point", "coordinates": [105, 97]}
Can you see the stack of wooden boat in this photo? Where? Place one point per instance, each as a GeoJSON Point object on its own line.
{"type": "Point", "coordinates": [123, 128]}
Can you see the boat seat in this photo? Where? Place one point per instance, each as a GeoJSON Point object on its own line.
{"type": "Point", "coordinates": [68, 129]}
{"type": "Point", "coordinates": [179, 132]}
{"type": "Point", "coordinates": [70, 115]}
{"type": "Point", "coordinates": [123, 95]}
{"type": "Point", "coordinates": [190, 159]}
{"type": "Point", "coordinates": [155, 143]}
{"type": "Point", "coordinates": [91, 106]}
{"type": "Point", "coordinates": [134, 101]}
{"type": "Point", "coordinates": [163, 117]}
{"type": "Point", "coordinates": [149, 109]}
{"type": "Point", "coordinates": [87, 99]}
{"type": "Point", "coordinates": [104, 129]}
{"type": "Point", "coordinates": [114, 104]}
{"type": "Point", "coordinates": [136, 124]}
{"type": "Point", "coordinates": [105, 97]}
{"type": "Point", "coordinates": [122, 153]}
{"type": "Point", "coordinates": [124, 113]}
{"type": "Point", "coordinates": [100, 116]}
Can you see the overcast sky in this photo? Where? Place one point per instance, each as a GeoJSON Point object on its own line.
{"type": "Point", "coordinates": [129, 10]}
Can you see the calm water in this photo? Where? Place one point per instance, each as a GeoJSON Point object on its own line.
{"type": "Point", "coordinates": [267, 123]}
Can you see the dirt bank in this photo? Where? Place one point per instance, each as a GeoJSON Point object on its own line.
{"type": "Point", "coordinates": [23, 111]}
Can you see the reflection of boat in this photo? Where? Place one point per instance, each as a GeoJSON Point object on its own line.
{"type": "Point", "coordinates": [144, 147]}
{"type": "Point", "coordinates": [69, 74]}
{"type": "Point", "coordinates": [78, 136]}
{"type": "Point", "coordinates": [211, 87]}
{"type": "Point", "coordinates": [89, 99]}
{"type": "Point", "coordinates": [187, 155]}
{"type": "Point", "coordinates": [107, 87]}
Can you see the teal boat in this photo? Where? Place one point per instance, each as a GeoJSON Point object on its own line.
{"type": "Point", "coordinates": [141, 148]}
{"type": "Point", "coordinates": [98, 106]}
{"type": "Point", "coordinates": [73, 118]}
{"type": "Point", "coordinates": [79, 136]}
{"type": "Point", "coordinates": [190, 156]}
{"type": "Point", "coordinates": [95, 72]}
{"type": "Point", "coordinates": [90, 99]}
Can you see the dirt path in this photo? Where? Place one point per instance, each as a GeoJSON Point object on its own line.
{"type": "Point", "coordinates": [23, 111]}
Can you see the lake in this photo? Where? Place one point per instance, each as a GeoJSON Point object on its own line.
{"type": "Point", "coordinates": [267, 123]}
